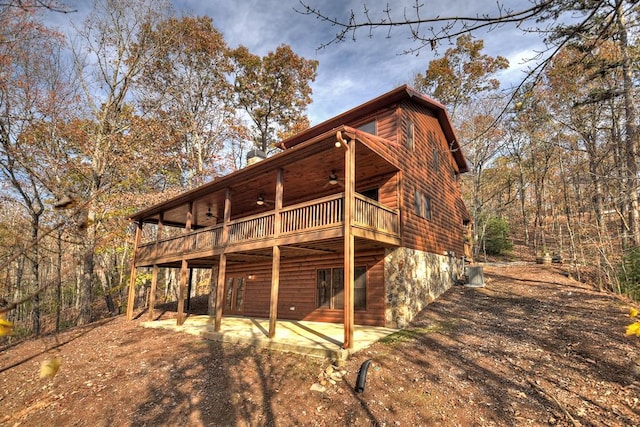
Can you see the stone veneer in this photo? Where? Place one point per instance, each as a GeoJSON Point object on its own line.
{"type": "Point", "coordinates": [413, 279]}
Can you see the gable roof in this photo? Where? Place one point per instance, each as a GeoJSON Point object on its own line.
{"type": "Point", "coordinates": [399, 94]}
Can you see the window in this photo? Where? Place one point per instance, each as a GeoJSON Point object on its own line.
{"type": "Point", "coordinates": [423, 205]}
{"type": "Point", "coordinates": [371, 194]}
{"type": "Point", "coordinates": [436, 160]}
{"type": "Point", "coordinates": [330, 288]}
{"type": "Point", "coordinates": [410, 135]}
{"type": "Point", "coordinates": [369, 127]}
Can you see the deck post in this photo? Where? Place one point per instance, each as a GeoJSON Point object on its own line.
{"type": "Point", "coordinates": [211, 306]}
{"type": "Point", "coordinates": [275, 284]}
{"type": "Point", "coordinates": [349, 243]}
{"type": "Point", "coordinates": [189, 289]}
{"type": "Point", "coordinates": [275, 263]}
{"type": "Point", "coordinates": [154, 273]}
{"type": "Point", "coordinates": [184, 268]}
{"type": "Point", "coordinates": [152, 292]}
{"type": "Point", "coordinates": [134, 271]}
{"type": "Point", "coordinates": [220, 291]}
{"type": "Point", "coordinates": [222, 268]}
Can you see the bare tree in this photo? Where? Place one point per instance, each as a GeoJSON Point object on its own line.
{"type": "Point", "coordinates": [31, 98]}
{"type": "Point", "coordinates": [114, 48]}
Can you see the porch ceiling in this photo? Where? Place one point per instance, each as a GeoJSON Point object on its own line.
{"type": "Point", "coordinates": [306, 170]}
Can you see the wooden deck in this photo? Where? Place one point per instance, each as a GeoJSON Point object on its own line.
{"type": "Point", "coordinates": [319, 219]}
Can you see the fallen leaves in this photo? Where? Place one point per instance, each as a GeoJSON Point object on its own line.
{"type": "Point", "coordinates": [49, 367]}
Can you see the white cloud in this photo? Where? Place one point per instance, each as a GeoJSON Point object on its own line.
{"type": "Point", "coordinates": [350, 72]}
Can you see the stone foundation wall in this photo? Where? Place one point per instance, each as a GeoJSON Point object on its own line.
{"type": "Point", "coordinates": [413, 279]}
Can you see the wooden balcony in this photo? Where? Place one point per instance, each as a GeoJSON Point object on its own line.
{"type": "Point", "coordinates": [318, 219]}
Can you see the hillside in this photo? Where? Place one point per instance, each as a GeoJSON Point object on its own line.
{"type": "Point", "coordinates": [533, 347]}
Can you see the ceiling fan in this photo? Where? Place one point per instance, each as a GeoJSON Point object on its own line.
{"type": "Point", "coordinates": [333, 180]}
{"type": "Point", "coordinates": [209, 214]}
{"type": "Point", "coordinates": [261, 201]}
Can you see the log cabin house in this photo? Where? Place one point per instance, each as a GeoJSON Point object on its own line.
{"type": "Point", "coordinates": [358, 220]}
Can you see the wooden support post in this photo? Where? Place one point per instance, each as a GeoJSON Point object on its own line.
{"type": "Point", "coordinates": [211, 306]}
{"type": "Point", "coordinates": [349, 243]}
{"type": "Point", "coordinates": [189, 289]}
{"type": "Point", "coordinates": [154, 273]}
{"type": "Point", "coordinates": [152, 294]}
{"type": "Point", "coordinates": [220, 291]}
{"type": "Point", "coordinates": [275, 263]}
{"type": "Point", "coordinates": [184, 268]}
{"type": "Point", "coordinates": [132, 277]}
{"type": "Point", "coordinates": [222, 268]}
{"type": "Point", "coordinates": [181, 290]}
{"type": "Point", "coordinates": [275, 285]}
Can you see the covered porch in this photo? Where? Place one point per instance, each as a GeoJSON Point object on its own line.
{"type": "Point", "coordinates": [326, 196]}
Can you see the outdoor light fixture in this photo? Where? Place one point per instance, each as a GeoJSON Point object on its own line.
{"type": "Point", "coordinates": [260, 200]}
{"type": "Point", "coordinates": [338, 144]}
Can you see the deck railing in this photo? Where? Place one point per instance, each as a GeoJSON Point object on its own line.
{"type": "Point", "coordinates": [308, 216]}
{"type": "Point", "coordinates": [304, 216]}
{"type": "Point", "coordinates": [251, 228]}
{"type": "Point", "coordinates": [374, 215]}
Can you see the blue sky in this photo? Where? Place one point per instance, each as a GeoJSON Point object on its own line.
{"type": "Point", "coordinates": [349, 73]}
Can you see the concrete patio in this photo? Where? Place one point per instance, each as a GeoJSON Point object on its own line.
{"type": "Point", "coordinates": [310, 338]}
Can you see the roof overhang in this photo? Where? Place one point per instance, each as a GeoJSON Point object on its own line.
{"type": "Point", "coordinates": [395, 96]}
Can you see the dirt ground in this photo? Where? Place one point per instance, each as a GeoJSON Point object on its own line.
{"type": "Point", "coordinates": [531, 348]}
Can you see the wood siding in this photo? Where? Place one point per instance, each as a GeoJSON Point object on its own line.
{"type": "Point", "coordinates": [298, 288]}
{"type": "Point", "coordinates": [436, 179]}
{"type": "Point", "coordinates": [445, 230]}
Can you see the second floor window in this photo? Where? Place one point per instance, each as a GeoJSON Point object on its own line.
{"type": "Point", "coordinates": [410, 135]}
{"type": "Point", "coordinates": [423, 205]}
{"type": "Point", "coordinates": [369, 127]}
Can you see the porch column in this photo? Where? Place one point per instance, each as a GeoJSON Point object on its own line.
{"type": "Point", "coordinates": [223, 261]}
{"type": "Point", "coordinates": [134, 271]}
{"type": "Point", "coordinates": [275, 265]}
{"type": "Point", "coordinates": [220, 291]}
{"type": "Point", "coordinates": [152, 292]}
{"type": "Point", "coordinates": [211, 306]}
{"type": "Point", "coordinates": [184, 268]}
{"type": "Point", "coordinates": [275, 284]}
{"type": "Point", "coordinates": [154, 274]}
{"type": "Point", "coordinates": [349, 243]}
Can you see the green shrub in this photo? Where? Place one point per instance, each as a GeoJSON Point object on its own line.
{"type": "Point", "coordinates": [496, 236]}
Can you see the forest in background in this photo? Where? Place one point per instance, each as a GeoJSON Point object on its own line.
{"type": "Point", "coordinates": [141, 105]}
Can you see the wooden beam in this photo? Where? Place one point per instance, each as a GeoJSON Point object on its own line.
{"type": "Point", "coordinates": [275, 285]}
{"type": "Point", "coordinates": [152, 292]}
{"type": "Point", "coordinates": [349, 242]}
{"type": "Point", "coordinates": [189, 288]}
{"type": "Point", "coordinates": [222, 268]}
{"type": "Point", "coordinates": [310, 250]}
{"type": "Point", "coordinates": [275, 263]}
{"type": "Point", "coordinates": [154, 273]}
{"type": "Point", "coordinates": [184, 268]}
{"type": "Point", "coordinates": [211, 303]}
{"type": "Point", "coordinates": [220, 291]}
{"type": "Point", "coordinates": [134, 271]}
{"type": "Point", "coordinates": [183, 285]}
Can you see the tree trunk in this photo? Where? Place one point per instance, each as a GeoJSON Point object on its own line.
{"type": "Point", "coordinates": [35, 271]}
{"type": "Point", "coordinates": [59, 280]}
